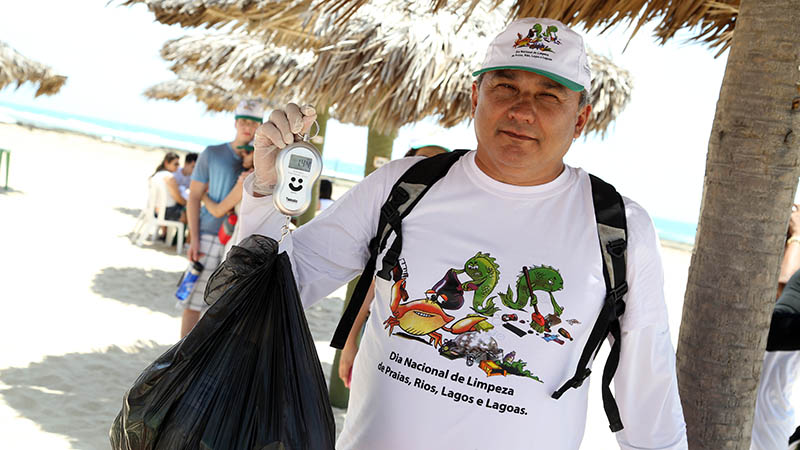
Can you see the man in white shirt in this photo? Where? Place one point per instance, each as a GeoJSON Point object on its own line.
{"type": "Point", "coordinates": [183, 176]}
{"type": "Point", "coordinates": [431, 373]}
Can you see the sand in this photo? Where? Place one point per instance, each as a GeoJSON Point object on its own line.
{"type": "Point", "coordinates": [84, 310]}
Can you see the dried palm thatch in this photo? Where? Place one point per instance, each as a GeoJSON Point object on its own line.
{"type": "Point", "coordinates": [382, 76]}
{"type": "Point", "coordinates": [419, 66]}
{"type": "Point", "coordinates": [293, 22]}
{"type": "Point", "coordinates": [281, 22]}
{"type": "Point", "coordinates": [715, 19]}
{"type": "Point", "coordinates": [258, 68]}
{"type": "Point", "coordinates": [15, 68]}
{"type": "Point", "coordinates": [212, 93]}
{"type": "Point", "coordinates": [611, 91]}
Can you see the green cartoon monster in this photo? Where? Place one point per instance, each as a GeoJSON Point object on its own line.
{"type": "Point", "coordinates": [550, 34]}
{"type": "Point", "coordinates": [484, 272]}
{"type": "Point", "coordinates": [542, 278]}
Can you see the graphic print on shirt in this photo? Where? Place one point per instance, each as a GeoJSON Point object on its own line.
{"type": "Point", "coordinates": [427, 319]}
{"type": "Point", "coordinates": [542, 278]}
{"type": "Point", "coordinates": [484, 273]}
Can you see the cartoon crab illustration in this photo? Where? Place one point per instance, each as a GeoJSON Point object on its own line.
{"type": "Point", "coordinates": [420, 317]}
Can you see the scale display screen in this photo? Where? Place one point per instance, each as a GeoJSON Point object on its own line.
{"type": "Point", "coordinates": [300, 163]}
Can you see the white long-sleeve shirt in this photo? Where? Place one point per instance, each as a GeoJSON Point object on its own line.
{"type": "Point", "coordinates": [432, 372]}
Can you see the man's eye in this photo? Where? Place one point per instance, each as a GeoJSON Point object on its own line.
{"type": "Point", "coordinates": [506, 86]}
{"type": "Point", "coordinates": [548, 96]}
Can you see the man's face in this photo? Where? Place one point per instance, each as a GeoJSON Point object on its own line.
{"type": "Point", "coordinates": [246, 129]}
{"type": "Point", "coordinates": [189, 167]}
{"type": "Point", "coordinates": [524, 123]}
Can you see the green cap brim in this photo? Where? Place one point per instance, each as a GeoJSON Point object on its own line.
{"type": "Point", "coordinates": [253, 118]}
{"type": "Point", "coordinates": [249, 148]}
{"type": "Point", "coordinates": [571, 85]}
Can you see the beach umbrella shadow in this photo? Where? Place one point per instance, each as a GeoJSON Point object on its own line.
{"type": "Point", "coordinates": [152, 289]}
{"type": "Point", "coordinates": [77, 395]}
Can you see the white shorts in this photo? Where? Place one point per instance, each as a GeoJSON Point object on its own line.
{"type": "Point", "coordinates": [212, 250]}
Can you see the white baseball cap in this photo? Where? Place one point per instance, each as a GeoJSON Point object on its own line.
{"type": "Point", "coordinates": [543, 46]}
{"type": "Point", "coordinates": [252, 109]}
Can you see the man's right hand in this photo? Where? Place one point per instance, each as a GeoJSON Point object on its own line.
{"type": "Point", "coordinates": [283, 128]}
{"type": "Point", "coordinates": [194, 251]}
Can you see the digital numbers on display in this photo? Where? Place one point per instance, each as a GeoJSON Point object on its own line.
{"type": "Point", "coordinates": [300, 163]}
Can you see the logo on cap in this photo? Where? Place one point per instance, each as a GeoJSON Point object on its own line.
{"type": "Point", "coordinates": [537, 38]}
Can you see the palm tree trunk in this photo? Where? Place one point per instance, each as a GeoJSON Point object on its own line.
{"type": "Point", "coordinates": [319, 142]}
{"type": "Point", "coordinates": [379, 148]}
{"type": "Point", "coordinates": [751, 175]}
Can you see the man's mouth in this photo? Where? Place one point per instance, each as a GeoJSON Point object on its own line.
{"type": "Point", "coordinates": [514, 135]}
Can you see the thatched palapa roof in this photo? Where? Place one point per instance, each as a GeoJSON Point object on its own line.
{"type": "Point", "coordinates": [15, 68]}
{"type": "Point", "coordinates": [384, 75]}
{"type": "Point", "coordinates": [715, 19]}
{"type": "Point", "coordinates": [417, 65]}
{"type": "Point", "coordinates": [215, 95]}
{"type": "Point", "coordinates": [282, 22]}
{"type": "Point", "coordinates": [258, 68]}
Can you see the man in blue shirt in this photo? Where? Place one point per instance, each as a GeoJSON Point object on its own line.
{"type": "Point", "coordinates": [217, 169]}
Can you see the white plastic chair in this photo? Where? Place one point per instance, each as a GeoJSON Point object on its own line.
{"type": "Point", "coordinates": [148, 221]}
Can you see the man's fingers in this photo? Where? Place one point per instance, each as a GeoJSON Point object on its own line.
{"type": "Point", "coordinates": [309, 116]}
{"type": "Point", "coordinates": [271, 132]}
{"type": "Point", "coordinates": [295, 118]}
{"type": "Point", "coordinates": [281, 123]}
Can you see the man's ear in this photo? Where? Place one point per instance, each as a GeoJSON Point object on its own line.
{"type": "Point", "coordinates": [583, 118]}
{"type": "Point", "coordinates": [474, 99]}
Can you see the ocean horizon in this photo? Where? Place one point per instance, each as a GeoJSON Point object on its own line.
{"type": "Point", "coordinates": [668, 229]}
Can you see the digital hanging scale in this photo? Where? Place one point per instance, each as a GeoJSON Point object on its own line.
{"type": "Point", "coordinates": [298, 166]}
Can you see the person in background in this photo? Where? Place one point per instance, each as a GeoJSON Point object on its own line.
{"type": "Point", "coordinates": [426, 150]}
{"type": "Point", "coordinates": [325, 192]}
{"type": "Point", "coordinates": [774, 419]}
{"type": "Point", "coordinates": [228, 208]}
{"type": "Point", "coordinates": [348, 356]}
{"type": "Point", "coordinates": [183, 176]}
{"type": "Point", "coordinates": [215, 174]}
{"type": "Point", "coordinates": [174, 201]}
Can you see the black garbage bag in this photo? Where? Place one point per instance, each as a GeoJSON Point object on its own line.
{"type": "Point", "coordinates": [246, 377]}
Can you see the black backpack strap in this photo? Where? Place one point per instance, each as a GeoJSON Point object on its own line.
{"type": "Point", "coordinates": [405, 194]}
{"type": "Point", "coordinates": [609, 212]}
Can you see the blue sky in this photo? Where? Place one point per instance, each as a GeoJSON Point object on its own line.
{"type": "Point", "coordinates": [655, 153]}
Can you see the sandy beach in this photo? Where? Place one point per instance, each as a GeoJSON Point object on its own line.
{"type": "Point", "coordinates": [84, 310]}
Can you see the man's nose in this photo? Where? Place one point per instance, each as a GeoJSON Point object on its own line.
{"type": "Point", "coordinates": [523, 109]}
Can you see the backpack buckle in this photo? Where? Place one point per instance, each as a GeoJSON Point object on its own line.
{"type": "Point", "coordinates": [389, 213]}
{"type": "Point", "coordinates": [614, 298]}
{"type": "Point", "coordinates": [617, 247]}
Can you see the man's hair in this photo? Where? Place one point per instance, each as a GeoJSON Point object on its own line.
{"type": "Point", "coordinates": [325, 188]}
{"type": "Point", "coordinates": [189, 158]}
{"type": "Point", "coordinates": [582, 101]}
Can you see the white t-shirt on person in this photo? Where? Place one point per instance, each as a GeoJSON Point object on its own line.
{"type": "Point", "coordinates": [161, 177]}
{"type": "Point", "coordinates": [484, 380]}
